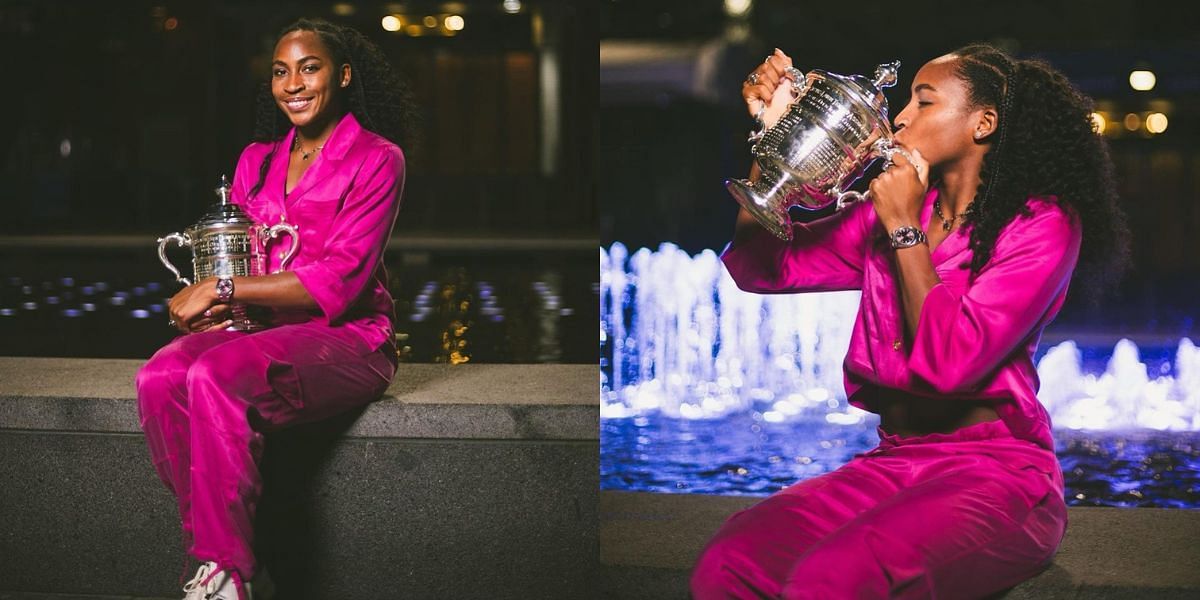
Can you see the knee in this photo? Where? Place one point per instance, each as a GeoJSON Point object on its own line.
{"type": "Point", "coordinates": [720, 571]}
{"type": "Point", "coordinates": [162, 376]}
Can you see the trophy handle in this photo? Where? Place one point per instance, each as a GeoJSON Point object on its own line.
{"type": "Point", "coordinates": [798, 84]}
{"type": "Point", "coordinates": [182, 240]}
{"type": "Point", "coordinates": [884, 147]}
{"type": "Point", "coordinates": [291, 230]}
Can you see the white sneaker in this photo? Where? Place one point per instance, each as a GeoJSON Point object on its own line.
{"type": "Point", "coordinates": [221, 586]}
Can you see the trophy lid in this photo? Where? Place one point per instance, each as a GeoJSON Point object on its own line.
{"type": "Point", "coordinates": [223, 212]}
{"type": "Point", "coordinates": [870, 91]}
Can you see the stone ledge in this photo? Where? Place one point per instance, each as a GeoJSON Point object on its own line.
{"type": "Point", "coordinates": [648, 543]}
{"type": "Point", "coordinates": [523, 402]}
{"type": "Point", "coordinates": [467, 481]}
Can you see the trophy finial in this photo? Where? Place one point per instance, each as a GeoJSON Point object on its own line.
{"type": "Point", "coordinates": [223, 190]}
{"type": "Point", "coordinates": [885, 74]}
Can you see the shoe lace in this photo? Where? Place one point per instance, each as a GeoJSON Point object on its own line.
{"type": "Point", "coordinates": [201, 578]}
{"type": "Point", "coordinates": [206, 578]}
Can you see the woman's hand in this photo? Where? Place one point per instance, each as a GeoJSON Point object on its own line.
{"type": "Point", "coordinates": [194, 309]}
{"type": "Point", "coordinates": [897, 193]}
{"type": "Point", "coordinates": [763, 86]}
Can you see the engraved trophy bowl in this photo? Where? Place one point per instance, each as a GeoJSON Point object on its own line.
{"type": "Point", "coordinates": [225, 242]}
{"type": "Point", "coordinates": [833, 131]}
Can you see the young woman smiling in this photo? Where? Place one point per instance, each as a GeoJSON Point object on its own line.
{"type": "Point", "coordinates": [327, 160]}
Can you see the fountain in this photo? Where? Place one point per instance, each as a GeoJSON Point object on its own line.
{"type": "Point", "coordinates": [686, 357]}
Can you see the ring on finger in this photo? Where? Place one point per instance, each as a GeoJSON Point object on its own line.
{"type": "Point", "coordinates": [752, 79]}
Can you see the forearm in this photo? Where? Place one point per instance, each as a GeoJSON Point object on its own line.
{"type": "Point", "coordinates": [278, 290]}
{"type": "Point", "coordinates": [915, 274]}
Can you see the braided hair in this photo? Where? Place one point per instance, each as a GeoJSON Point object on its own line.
{"type": "Point", "coordinates": [377, 96]}
{"type": "Point", "coordinates": [1045, 145]}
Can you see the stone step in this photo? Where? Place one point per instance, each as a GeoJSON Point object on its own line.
{"type": "Point", "coordinates": [649, 542]}
{"type": "Point", "coordinates": [471, 481]}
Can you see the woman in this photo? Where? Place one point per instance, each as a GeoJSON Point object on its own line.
{"type": "Point", "coordinates": [327, 161]}
{"type": "Point", "coordinates": [963, 497]}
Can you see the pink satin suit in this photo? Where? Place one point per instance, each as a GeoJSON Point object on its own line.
{"type": "Point", "coordinates": [954, 515]}
{"type": "Point", "coordinates": [206, 399]}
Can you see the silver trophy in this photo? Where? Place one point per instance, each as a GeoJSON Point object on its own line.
{"type": "Point", "coordinates": [833, 131]}
{"type": "Point", "coordinates": [227, 243]}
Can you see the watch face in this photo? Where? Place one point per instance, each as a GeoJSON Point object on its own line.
{"type": "Point", "coordinates": [905, 237]}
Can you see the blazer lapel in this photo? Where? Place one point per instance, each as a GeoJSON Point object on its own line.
{"type": "Point", "coordinates": [328, 162]}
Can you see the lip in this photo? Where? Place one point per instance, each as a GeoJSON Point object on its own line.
{"type": "Point", "coordinates": [298, 104]}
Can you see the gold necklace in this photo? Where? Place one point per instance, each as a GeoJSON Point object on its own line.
{"type": "Point", "coordinates": [937, 210]}
{"type": "Point", "coordinates": [303, 155]}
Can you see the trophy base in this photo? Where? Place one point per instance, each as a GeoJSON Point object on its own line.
{"type": "Point", "coordinates": [760, 203]}
{"type": "Point", "coordinates": [247, 318]}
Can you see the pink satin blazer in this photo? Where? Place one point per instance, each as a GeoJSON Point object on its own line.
{"type": "Point", "coordinates": [344, 205]}
{"type": "Point", "coordinates": [975, 339]}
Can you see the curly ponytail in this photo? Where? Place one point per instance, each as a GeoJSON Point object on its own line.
{"type": "Point", "coordinates": [1045, 145]}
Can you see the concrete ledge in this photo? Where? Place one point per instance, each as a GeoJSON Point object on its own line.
{"type": "Point", "coordinates": [471, 481]}
{"type": "Point", "coordinates": [548, 402]}
{"type": "Point", "coordinates": [649, 542]}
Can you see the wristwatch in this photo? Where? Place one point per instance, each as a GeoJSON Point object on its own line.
{"type": "Point", "coordinates": [225, 289]}
{"type": "Point", "coordinates": [907, 237]}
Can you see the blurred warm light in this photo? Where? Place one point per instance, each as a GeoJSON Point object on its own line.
{"type": "Point", "coordinates": [430, 21]}
{"type": "Point", "coordinates": [343, 9]}
{"type": "Point", "coordinates": [1142, 81]}
{"type": "Point", "coordinates": [511, 7]}
{"type": "Point", "coordinates": [390, 23]}
{"type": "Point", "coordinates": [1099, 123]}
{"type": "Point", "coordinates": [1132, 121]}
{"type": "Point", "coordinates": [455, 23]}
{"type": "Point", "coordinates": [738, 8]}
{"type": "Point", "coordinates": [170, 24]}
{"type": "Point", "coordinates": [414, 30]}
{"type": "Point", "coordinates": [1156, 122]}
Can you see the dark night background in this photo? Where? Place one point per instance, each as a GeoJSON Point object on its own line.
{"type": "Point", "coordinates": [122, 116]}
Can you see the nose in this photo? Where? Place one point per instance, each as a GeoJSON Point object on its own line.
{"type": "Point", "coordinates": [294, 83]}
{"type": "Point", "coordinates": [903, 118]}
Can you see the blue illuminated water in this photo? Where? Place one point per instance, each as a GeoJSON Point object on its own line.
{"type": "Point", "coordinates": [708, 389]}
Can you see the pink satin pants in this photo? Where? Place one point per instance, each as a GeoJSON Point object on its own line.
{"type": "Point", "coordinates": [959, 515]}
{"type": "Point", "coordinates": [206, 399]}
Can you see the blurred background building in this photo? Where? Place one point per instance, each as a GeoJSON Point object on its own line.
{"type": "Point", "coordinates": [123, 115]}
